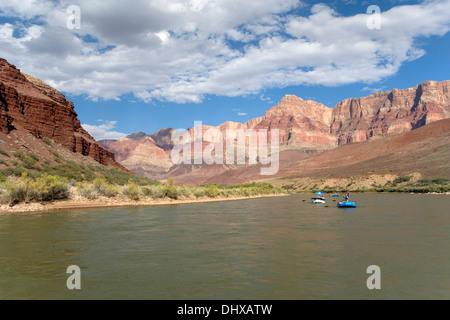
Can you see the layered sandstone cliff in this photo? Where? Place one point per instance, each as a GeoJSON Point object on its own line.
{"type": "Point", "coordinates": [396, 111]}
{"type": "Point", "coordinates": [300, 123]}
{"type": "Point", "coordinates": [28, 104]}
{"type": "Point", "coordinates": [140, 154]}
{"type": "Point", "coordinates": [310, 126]}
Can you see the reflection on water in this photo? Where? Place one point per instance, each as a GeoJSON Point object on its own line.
{"type": "Point", "coordinates": [273, 248]}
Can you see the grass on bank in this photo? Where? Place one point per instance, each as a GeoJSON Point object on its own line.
{"type": "Point", "coordinates": [27, 178]}
{"type": "Point", "coordinates": [50, 188]}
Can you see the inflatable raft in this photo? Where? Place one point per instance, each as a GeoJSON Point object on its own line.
{"type": "Point", "coordinates": [346, 204]}
{"type": "Point", "coordinates": [318, 199]}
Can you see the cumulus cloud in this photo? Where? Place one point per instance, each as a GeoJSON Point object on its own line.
{"type": "Point", "coordinates": [181, 51]}
{"type": "Point", "coordinates": [104, 131]}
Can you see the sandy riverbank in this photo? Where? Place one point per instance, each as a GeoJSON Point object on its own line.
{"type": "Point", "coordinates": [74, 204]}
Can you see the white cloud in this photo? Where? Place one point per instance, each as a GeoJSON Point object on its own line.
{"type": "Point", "coordinates": [266, 99]}
{"type": "Point", "coordinates": [373, 90]}
{"type": "Point", "coordinates": [181, 51]}
{"type": "Point", "coordinates": [239, 112]}
{"type": "Point", "coordinates": [103, 131]}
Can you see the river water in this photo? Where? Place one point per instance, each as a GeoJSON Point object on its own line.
{"type": "Point", "coordinates": [271, 248]}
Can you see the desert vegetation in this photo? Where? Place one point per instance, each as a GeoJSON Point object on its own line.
{"type": "Point", "coordinates": [26, 178]}
{"type": "Point", "coordinates": [50, 188]}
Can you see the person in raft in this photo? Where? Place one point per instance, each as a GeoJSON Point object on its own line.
{"type": "Point", "coordinates": [347, 197]}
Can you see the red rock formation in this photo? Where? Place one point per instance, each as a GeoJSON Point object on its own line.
{"type": "Point", "coordinates": [26, 103]}
{"type": "Point", "coordinates": [141, 154]}
{"type": "Point", "coordinates": [300, 123]}
{"type": "Point", "coordinates": [312, 127]}
{"type": "Point", "coordinates": [396, 111]}
{"type": "Point", "coordinates": [425, 151]}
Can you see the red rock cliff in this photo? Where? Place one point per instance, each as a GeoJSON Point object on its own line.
{"type": "Point", "coordinates": [26, 103]}
{"type": "Point", "coordinates": [311, 124]}
{"type": "Point", "coordinates": [396, 111]}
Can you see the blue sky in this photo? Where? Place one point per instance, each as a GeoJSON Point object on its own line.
{"type": "Point", "coordinates": [158, 64]}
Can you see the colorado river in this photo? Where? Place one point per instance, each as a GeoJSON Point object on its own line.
{"type": "Point", "coordinates": [269, 248]}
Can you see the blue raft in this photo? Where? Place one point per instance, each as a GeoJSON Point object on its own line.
{"type": "Point", "coordinates": [347, 204]}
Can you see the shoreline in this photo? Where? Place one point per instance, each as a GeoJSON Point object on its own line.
{"type": "Point", "coordinates": [104, 203]}
{"type": "Point", "coordinates": [80, 204]}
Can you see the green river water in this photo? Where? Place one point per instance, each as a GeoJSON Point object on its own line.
{"type": "Point", "coordinates": [270, 248]}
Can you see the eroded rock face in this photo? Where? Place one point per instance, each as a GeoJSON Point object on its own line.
{"type": "Point", "coordinates": [396, 111]}
{"type": "Point", "coordinates": [141, 154]}
{"type": "Point", "coordinates": [311, 124]}
{"type": "Point", "coordinates": [26, 103]}
{"type": "Point", "coordinates": [300, 123]}
{"type": "Point", "coordinates": [307, 125]}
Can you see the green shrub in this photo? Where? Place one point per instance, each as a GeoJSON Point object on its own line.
{"type": "Point", "coordinates": [169, 192]}
{"type": "Point", "coordinates": [48, 188]}
{"type": "Point", "coordinates": [199, 193]}
{"type": "Point", "coordinates": [225, 193]}
{"type": "Point", "coordinates": [115, 176]}
{"type": "Point", "coordinates": [91, 167]}
{"type": "Point", "coordinates": [4, 152]}
{"type": "Point", "coordinates": [34, 156]}
{"type": "Point", "coordinates": [87, 190]}
{"type": "Point", "coordinates": [147, 191]}
{"type": "Point", "coordinates": [401, 179]}
{"type": "Point", "coordinates": [29, 162]}
{"type": "Point", "coordinates": [53, 152]}
{"type": "Point", "coordinates": [158, 192]}
{"type": "Point", "coordinates": [16, 171]}
{"type": "Point", "coordinates": [440, 181]}
{"type": "Point", "coordinates": [104, 188]}
{"type": "Point", "coordinates": [212, 191]}
{"type": "Point", "coordinates": [19, 155]}
{"type": "Point", "coordinates": [16, 191]}
{"type": "Point", "coordinates": [185, 191]}
{"type": "Point", "coordinates": [47, 141]}
{"type": "Point", "coordinates": [424, 182]}
{"type": "Point", "coordinates": [131, 190]}
{"type": "Point", "coordinates": [44, 188]}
